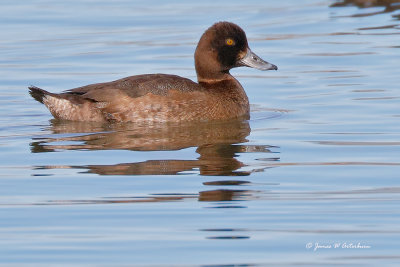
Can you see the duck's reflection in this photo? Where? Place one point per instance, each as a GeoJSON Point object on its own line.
{"type": "Point", "coordinates": [217, 143]}
{"type": "Point", "coordinates": [140, 137]}
{"type": "Point", "coordinates": [218, 146]}
{"type": "Point", "coordinates": [215, 159]}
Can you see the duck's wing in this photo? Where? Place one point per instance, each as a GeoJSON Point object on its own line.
{"type": "Point", "coordinates": [135, 86]}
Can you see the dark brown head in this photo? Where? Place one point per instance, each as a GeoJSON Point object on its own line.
{"type": "Point", "coordinates": [222, 47]}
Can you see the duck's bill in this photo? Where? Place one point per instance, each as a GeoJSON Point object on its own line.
{"type": "Point", "coordinates": [253, 61]}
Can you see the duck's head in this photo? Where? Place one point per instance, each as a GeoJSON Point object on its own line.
{"type": "Point", "coordinates": [222, 47]}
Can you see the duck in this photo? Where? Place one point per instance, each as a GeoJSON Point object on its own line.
{"type": "Point", "coordinates": [216, 95]}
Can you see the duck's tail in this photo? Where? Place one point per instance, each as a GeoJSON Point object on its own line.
{"type": "Point", "coordinates": [38, 94]}
{"type": "Point", "coordinates": [68, 106]}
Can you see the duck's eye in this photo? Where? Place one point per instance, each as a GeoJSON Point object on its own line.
{"type": "Point", "coordinates": [230, 42]}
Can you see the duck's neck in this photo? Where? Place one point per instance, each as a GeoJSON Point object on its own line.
{"type": "Point", "coordinates": [209, 71]}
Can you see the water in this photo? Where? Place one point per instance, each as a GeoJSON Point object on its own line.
{"type": "Point", "coordinates": [318, 162]}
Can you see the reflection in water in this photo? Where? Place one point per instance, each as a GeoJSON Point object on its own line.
{"type": "Point", "coordinates": [140, 137]}
{"type": "Point", "coordinates": [217, 144]}
{"type": "Point", "coordinates": [388, 5]}
{"type": "Point", "coordinates": [224, 195]}
{"type": "Point", "coordinates": [215, 159]}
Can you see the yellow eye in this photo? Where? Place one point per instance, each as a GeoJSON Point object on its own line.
{"type": "Point", "coordinates": [229, 41]}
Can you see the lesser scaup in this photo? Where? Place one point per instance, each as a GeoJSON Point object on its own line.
{"type": "Point", "coordinates": [164, 97]}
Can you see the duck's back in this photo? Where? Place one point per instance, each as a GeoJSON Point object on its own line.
{"type": "Point", "coordinates": [137, 86]}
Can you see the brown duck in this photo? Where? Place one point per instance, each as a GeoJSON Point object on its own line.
{"type": "Point", "coordinates": [164, 97]}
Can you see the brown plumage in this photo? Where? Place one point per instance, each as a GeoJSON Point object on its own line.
{"type": "Point", "coordinates": [164, 97]}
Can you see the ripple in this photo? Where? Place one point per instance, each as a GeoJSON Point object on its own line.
{"type": "Point", "coordinates": [335, 163]}
{"type": "Point", "coordinates": [227, 182]}
{"type": "Point", "coordinates": [339, 54]}
{"type": "Point", "coordinates": [355, 143]}
{"type": "Point", "coordinates": [229, 237]}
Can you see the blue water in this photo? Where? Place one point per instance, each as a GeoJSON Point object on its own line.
{"type": "Point", "coordinates": [317, 163]}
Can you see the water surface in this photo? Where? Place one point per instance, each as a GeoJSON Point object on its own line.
{"type": "Point", "coordinates": [317, 163]}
